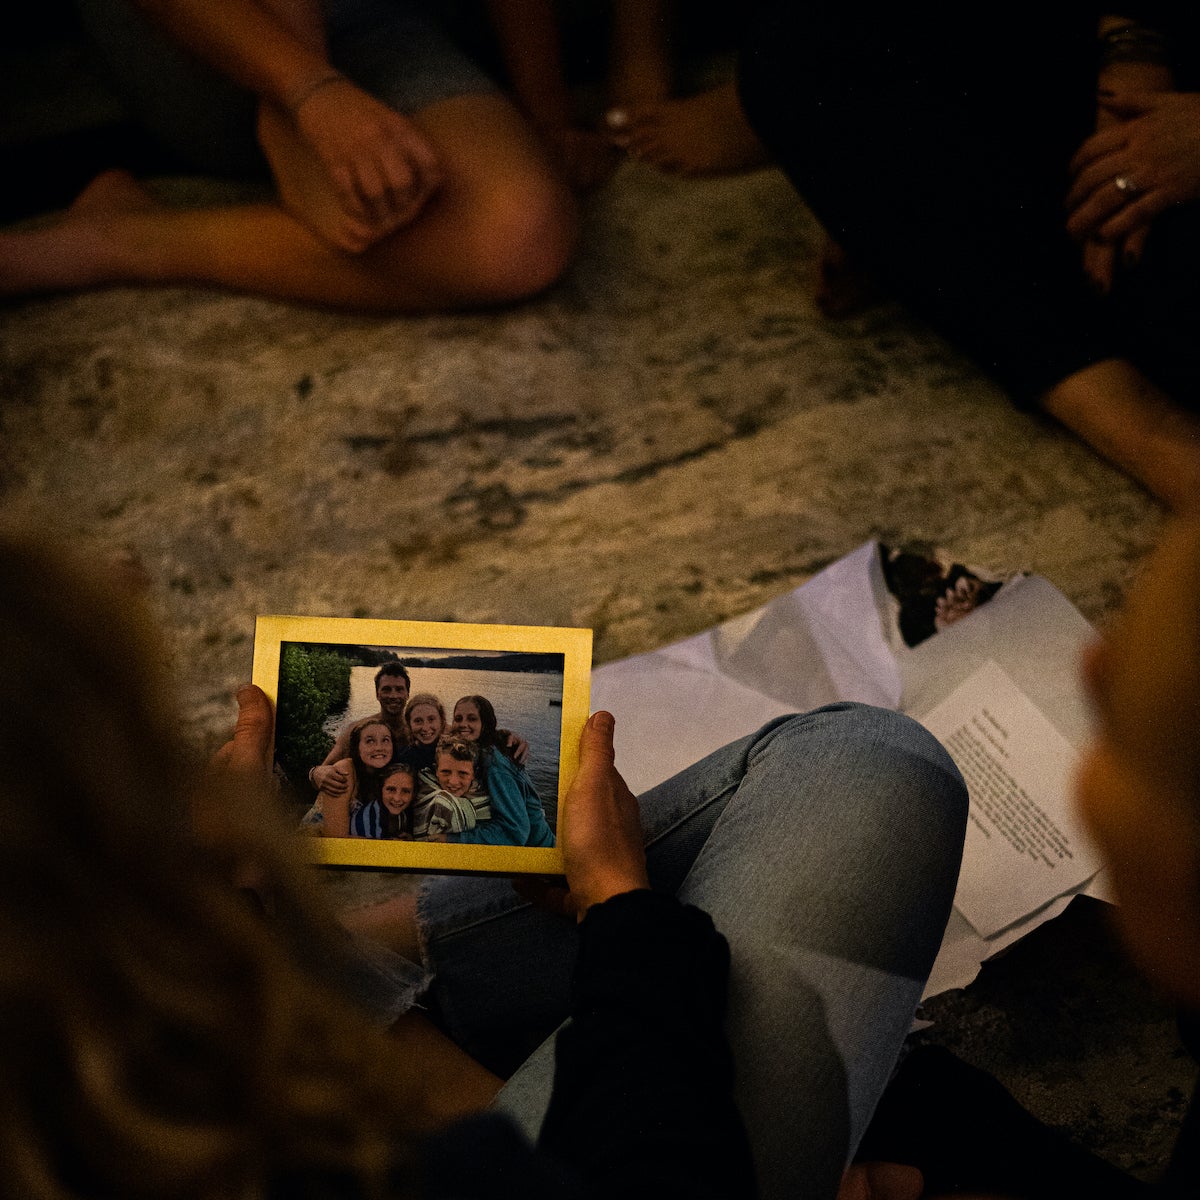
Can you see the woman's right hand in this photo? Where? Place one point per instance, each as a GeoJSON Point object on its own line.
{"type": "Point", "coordinates": [346, 165]}
{"type": "Point", "coordinates": [601, 830]}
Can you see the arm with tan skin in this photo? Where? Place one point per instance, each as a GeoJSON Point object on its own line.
{"type": "Point", "coordinates": [1150, 135]}
{"type": "Point", "coordinates": [346, 166]}
{"type": "Point", "coordinates": [330, 775]}
{"type": "Point", "coordinates": [527, 31]}
{"type": "Point", "coordinates": [335, 806]}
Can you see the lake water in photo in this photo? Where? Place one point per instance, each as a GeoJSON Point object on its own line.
{"type": "Point", "coordinates": [522, 700]}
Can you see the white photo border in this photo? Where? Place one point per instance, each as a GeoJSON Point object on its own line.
{"type": "Point", "coordinates": [575, 645]}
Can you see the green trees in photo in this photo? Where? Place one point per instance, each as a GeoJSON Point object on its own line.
{"type": "Point", "coordinates": [314, 682]}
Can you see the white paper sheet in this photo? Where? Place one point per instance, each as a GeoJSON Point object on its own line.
{"type": "Point", "coordinates": [1024, 844]}
{"type": "Point", "coordinates": [828, 640]}
{"type": "Point", "coordinates": [820, 643]}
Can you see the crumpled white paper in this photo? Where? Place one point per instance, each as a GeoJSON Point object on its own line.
{"type": "Point", "coordinates": [833, 639]}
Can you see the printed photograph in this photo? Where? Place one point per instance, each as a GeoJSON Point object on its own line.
{"type": "Point", "coordinates": [930, 591]}
{"type": "Point", "coordinates": [393, 751]}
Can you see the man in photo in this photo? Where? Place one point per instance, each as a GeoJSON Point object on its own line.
{"type": "Point", "coordinates": [392, 684]}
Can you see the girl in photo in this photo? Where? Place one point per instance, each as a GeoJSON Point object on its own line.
{"type": "Point", "coordinates": [391, 815]}
{"type": "Point", "coordinates": [425, 720]}
{"type": "Point", "coordinates": [517, 815]}
{"type": "Point", "coordinates": [370, 754]}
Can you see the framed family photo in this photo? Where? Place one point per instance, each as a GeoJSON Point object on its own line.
{"type": "Point", "coordinates": [426, 746]}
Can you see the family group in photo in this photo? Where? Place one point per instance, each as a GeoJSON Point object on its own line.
{"type": "Point", "coordinates": [410, 773]}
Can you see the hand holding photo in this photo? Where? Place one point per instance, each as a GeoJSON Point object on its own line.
{"type": "Point", "coordinates": [426, 746]}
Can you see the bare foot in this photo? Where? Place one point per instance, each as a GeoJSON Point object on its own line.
{"type": "Point", "coordinates": [843, 288]}
{"type": "Point", "coordinates": [699, 135]}
{"type": "Point", "coordinates": [74, 251]}
{"type": "Point", "coordinates": [114, 191]}
{"type": "Point", "coordinates": [1126, 419]}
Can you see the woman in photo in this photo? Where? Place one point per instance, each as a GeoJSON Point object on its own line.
{"type": "Point", "coordinates": [517, 811]}
{"type": "Point", "coordinates": [425, 720]}
{"type": "Point", "coordinates": [370, 755]}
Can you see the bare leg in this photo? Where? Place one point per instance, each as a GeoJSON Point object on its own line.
{"type": "Point", "coordinates": [1126, 419]}
{"type": "Point", "coordinates": [699, 135]}
{"type": "Point", "coordinates": [392, 923]}
{"type": "Point", "coordinates": [641, 53]}
{"type": "Point", "coordinates": [455, 1084]}
{"type": "Point", "coordinates": [501, 228]}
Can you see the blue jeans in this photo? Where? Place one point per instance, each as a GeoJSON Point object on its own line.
{"type": "Point", "coordinates": [826, 849]}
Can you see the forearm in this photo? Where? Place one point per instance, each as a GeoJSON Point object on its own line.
{"type": "Point", "coordinates": [274, 48]}
{"type": "Point", "coordinates": [335, 812]}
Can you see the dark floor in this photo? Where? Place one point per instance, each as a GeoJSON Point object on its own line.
{"type": "Point", "coordinates": [1078, 1037]}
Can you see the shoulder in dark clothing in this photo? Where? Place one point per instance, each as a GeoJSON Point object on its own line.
{"type": "Point", "coordinates": [642, 1105]}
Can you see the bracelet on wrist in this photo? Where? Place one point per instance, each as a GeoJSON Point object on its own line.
{"type": "Point", "coordinates": [295, 99]}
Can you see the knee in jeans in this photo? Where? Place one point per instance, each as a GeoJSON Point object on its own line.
{"type": "Point", "coordinates": [930, 787]}
{"type": "Point", "coordinates": [922, 784]}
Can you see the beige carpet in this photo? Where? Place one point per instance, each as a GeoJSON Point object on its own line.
{"type": "Point", "coordinates": [673, 435]}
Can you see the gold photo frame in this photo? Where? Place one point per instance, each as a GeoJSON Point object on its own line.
{"type": "Point", "coordinates": [329, 676]}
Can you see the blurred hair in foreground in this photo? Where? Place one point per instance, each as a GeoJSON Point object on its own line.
{"type": "Point", "coordinates": [161, 1037]}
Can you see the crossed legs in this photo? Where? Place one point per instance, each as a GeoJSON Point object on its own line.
{"type": "Point", "coordinates": [826, 849]}
{"type": "Point", "coordinates": [502, 228]}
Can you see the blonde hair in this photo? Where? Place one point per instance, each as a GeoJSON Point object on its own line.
{"type": "Point", "coordinates": [161, 1037]}
{"type": "Point", "coordinates": [424, 698]}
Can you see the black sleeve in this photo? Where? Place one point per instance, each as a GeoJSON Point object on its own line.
{"type": "Point", "coordinates": [643, 1088]}
{"type": "Point", "coordinates": [642, 1106]}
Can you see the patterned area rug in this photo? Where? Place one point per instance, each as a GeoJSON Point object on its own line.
{"type": "Point", "coordinates": [671, 436]}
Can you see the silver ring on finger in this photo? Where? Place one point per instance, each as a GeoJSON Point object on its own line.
{"type": "Point", "coordinates": [1124, 183]}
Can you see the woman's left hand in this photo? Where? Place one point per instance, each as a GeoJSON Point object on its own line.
{"type": "Point", "coordinates": [247, 754]}
{"type": "Point", "coordinates": [1124, 175]}
{"type": "Point", "coordinates": [242, 764]}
